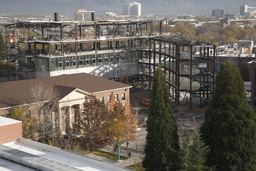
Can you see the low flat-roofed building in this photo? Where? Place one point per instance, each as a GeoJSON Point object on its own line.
{"type": "Point", "coordinates": [10, 130]}
{"type": "Point", "coordinates": [7, 165]}
{"type": "Point", "coordinates": [45, 157]}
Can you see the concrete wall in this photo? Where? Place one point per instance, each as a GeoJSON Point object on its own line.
{"type": "Point", "coordinates": [106, 71]}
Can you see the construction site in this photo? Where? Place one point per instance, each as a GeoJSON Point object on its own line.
{"type": "Point", "coordinates": [123, 50]}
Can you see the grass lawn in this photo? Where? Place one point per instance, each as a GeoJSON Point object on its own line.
{"type": "Point", "coordinates": [108, 155]}
{"type": "Point", "coordinates": [136, 167]}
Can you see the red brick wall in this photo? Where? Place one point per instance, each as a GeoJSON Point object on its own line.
{"type": "Point", "coordinates": [9, 133]}
{"type": "Point", "coordinates": [119, 92]}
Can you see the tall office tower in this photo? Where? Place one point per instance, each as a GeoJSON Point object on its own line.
{"type": "Point", "coordinates": [246, 10]}
{"type": "Point", "coordinates": [135, 9]}
{"type": "Point", "coordinates": [243, 9]}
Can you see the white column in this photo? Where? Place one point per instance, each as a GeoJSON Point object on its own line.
{"type": "Point", "coordinates": [70, 116]}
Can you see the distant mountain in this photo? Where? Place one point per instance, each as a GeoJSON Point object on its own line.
{"type": "Point", "coordinates": [100, 6]}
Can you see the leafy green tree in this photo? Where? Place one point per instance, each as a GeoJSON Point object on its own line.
{"type": "Point", "coordinates": [229, 129]}
{"type": "Point", "coordinates": [193, 152]}
{"type": "Point", "coordinates": [161, 150]}
{"type": "Point", "coordinates": [29, 123]}
{"type": "Point", "coordinates": [3, 54]}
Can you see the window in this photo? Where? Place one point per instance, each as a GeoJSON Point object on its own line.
{"type": "Point", "coordinates": [116, 97]}
{"type": "Point", "coordinates": [123, 96]}
{"type": "Point", "coordinates": [60, 62]}
{"type": "Point", "coordinates": [81, 59]}
{"type": "Point", "coordinates": [67, 61]}
{"type": "Point", "coordinates": [102, 99]}
{"type": "Point", "coordinates": [74, 61]}
{"type": "Point", "coordinates": [108, 98]}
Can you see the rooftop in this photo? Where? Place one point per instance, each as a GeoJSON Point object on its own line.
{"type": "Point", "coordinates": [16, 93]}
{"type": "Point", "coordinates": [7, 121]}
{"type": "Point", "coordinates": [45, 157]}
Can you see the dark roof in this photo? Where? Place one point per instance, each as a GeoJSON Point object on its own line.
{"type": "Point", "coordinates": [15, 93]}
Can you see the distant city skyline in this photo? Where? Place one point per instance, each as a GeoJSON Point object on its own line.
{"type": "Point", "coordinates": [161, 7]}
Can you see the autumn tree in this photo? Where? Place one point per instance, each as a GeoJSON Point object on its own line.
{"type": "Point", "coordinates": [184, 31]}
{"type": "Point", "coordinates": [119, 123]}
{"type": "Point", "coordinates": [93, 126]}
{"type": "Point", "coordinates": [28, 122]}
{"type": "Point", "coordinates": [162, 146]}
{"type": "Point", "coordinates": [131, 123]}
{"type": "Point", "coordinates": [230, 123]}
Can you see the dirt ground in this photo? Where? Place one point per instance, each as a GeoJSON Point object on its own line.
{"type": "Point", "coordinates": [190, 119]}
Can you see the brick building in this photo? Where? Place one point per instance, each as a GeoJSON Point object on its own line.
{"type": "Point", "coordinates": [67, 91]}
{"type": "Point", "coordinates": [10, 130]}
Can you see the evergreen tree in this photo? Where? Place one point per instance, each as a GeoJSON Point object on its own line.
{"type": "Point", "coordinates": [198, 154]}
{"type": "Point", "coordinates": [193, 152]}
{"type": "Point", "coordinates": [184, 151]}
{"type": "Point", "coordinates": [161, 150]}
{"type": "Point", "coordinates": [2, 48]}
{"type": "Point", "coordinates": [229, 128]}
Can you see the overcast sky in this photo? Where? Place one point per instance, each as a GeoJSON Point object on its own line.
{"type": "Point", "coordinates": [100, 6]}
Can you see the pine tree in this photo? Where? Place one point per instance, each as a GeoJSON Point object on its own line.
{"type": "Point", "coordinates": [193, 152]}
{"type": "Point", "coordinates": [229, 128]}
{"type": "Point", "coordinates": [185, 151]}
{"type": "Point", "coordinates": [161, 150]}
{"type": "Point", "coordinates": [198, 154]}
{"type": "Point", "coordinates": [2, 48]}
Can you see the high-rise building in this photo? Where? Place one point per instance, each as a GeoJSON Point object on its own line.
{"type": "Point", "coordinates": [135, 9]}
{"type": "Point", "coordinates": [84, 15]}
{"type": "Point", "coordinates": [132, 9]}
{"type": "Point", "coordinates": [245, 10]}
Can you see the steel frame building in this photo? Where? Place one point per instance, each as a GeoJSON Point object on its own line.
{"type": "Point", "coordinates": [115, 49]}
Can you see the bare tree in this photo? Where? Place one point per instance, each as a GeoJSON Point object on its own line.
{"type": "Point", "coordinates": [45, 99]}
